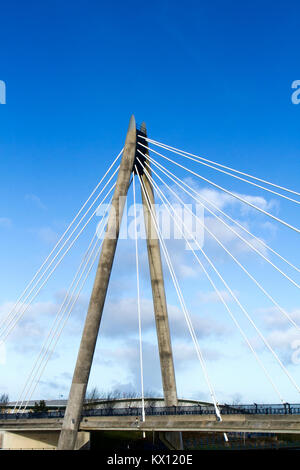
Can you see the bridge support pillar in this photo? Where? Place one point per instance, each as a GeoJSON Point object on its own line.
{"type": "Point", "coordinates": [171, 439]}
{"type": "Point", "coordinates": [159, 299]}
{"type": "Point", "coordinates": [158, 293]}
{"type": "Point", "coordinates": [72, 418]}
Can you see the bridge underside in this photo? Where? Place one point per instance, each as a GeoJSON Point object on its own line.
{"type": "Point", "coordinates": [230, 423]}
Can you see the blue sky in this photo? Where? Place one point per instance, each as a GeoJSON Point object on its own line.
{"type": "Point", "coordinates": [213, 78]}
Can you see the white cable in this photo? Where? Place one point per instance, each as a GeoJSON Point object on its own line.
{"type": "Point", "coordinates": [234, 258]}
{"type": "Point", "coordinates": [61, 248]}
{"type": "Point", "coordinates": [182, 302]}
{"type": "Point", "coordinates": [69, 295]}
{"type": "Point", "coordinates": [138, 303]}
{"type": "Point", "coordinates": [180, 182]}
{"type": "Point", "coordinates": [61, 238]}
{"type": "Point", "coordinates": [236, 196]}
{"type": "Point", "coordinates": [167, 205]}
{"type": "Point", "coordinates": [66, 319]}
{"type": "Point", "coordinates": [223, 222]}
{"type": "Point", "coordinates": [57, 264]}
{"type": "Point", "coordinates": [55, 337]}
{"type": "Point", "coordinates": [53, 325]}
{"type": "Point", "coordinates": [227, 173]}
{"type": "Point", "coordinates": [168, 147]}
{"type": "Point", "coordinates": [236, 299]}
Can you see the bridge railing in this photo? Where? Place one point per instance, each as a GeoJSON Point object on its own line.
{"type": "Point", "coordinates": [256, 409]}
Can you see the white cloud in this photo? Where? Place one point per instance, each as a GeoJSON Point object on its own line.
{"type": "Point", "coordinates": [185, 354]}
{"type": "Point", "coordinates": [232, 242]}
{"type": "Point", "coordinates": [47, 235]}
{"type": "Point", "coordinates": [283, 339]}
{"type": "Point", "coordinates": [273, 318]}
{"type": "Point", "coordinates": [127, 354]}
{"type": "Point", "coordinates": [238, 210]}
{"type": "Point", "coordinates": [258, 201]}
{"type": "Point", "coordinates": [35, 200]}
{"type": "Point", "coordinates": [281, 335]}
{"type": "Point", "coordinates": [212, 296]}
{"type": "Point", "coordinates": [120, 320]}
{"type": "Point", "coordinates": [30, 326]}
{"type": "Point", "coordinates": [222, 199]}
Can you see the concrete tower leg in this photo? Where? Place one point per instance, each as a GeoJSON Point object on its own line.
{"type": "Point", "coordinates": [159, 301]}
{"type": "Point", "coordinates": [72, 417]}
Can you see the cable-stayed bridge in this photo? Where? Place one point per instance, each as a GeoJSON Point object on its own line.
{"type": "Point", "coordinates": [152, 166]}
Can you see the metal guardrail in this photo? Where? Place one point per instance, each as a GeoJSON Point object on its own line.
{"type": "Point", "coordinates": [254, 409]}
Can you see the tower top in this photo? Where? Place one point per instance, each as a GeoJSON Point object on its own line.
{"type": "Point", "coordinates": [140, 166]}
{"type": "Point", "coordinates": [132, 123]}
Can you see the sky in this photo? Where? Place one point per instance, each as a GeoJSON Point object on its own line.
{"type": "Point", "coordinates": [213, 78]}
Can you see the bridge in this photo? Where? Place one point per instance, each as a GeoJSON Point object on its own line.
{"type": "Point", "coordinates": [44, 428]}
{"type": "Point", "coordinates": [28, 429]}
{"type": "Point", "coordinates": [237, 418]}
{"type": "Point", "coordinates": [140, 163]}
{"type": "Point", "coordinates": [289, 424]}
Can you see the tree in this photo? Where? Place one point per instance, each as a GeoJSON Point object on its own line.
{"type": "Point", "coordinates": [4, 399]}
{"type": "Point", "coordinates": [108, 399]}
{"type": "Point", "coordinates": [40, 407]}
{"type": "Point", "coordinates": [236, 399]}
{"type": "Point", "coordinates": [150, 399]}
{"type": "Point", "coordinates": [92, 395]}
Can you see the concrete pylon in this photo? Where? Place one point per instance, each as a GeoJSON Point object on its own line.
{"type": "Point", "coordinates": [158, 291]}
{"type": "Point", "coordinates": [172, 439]}
{"type": "Point", "coordinates": [68, 435]}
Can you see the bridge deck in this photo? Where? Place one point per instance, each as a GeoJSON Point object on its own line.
{"type": "Point", "coordinates": [230, 423]}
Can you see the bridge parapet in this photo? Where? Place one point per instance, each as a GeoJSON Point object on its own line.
{"type": "Point", "coordinates": [201, 409]}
